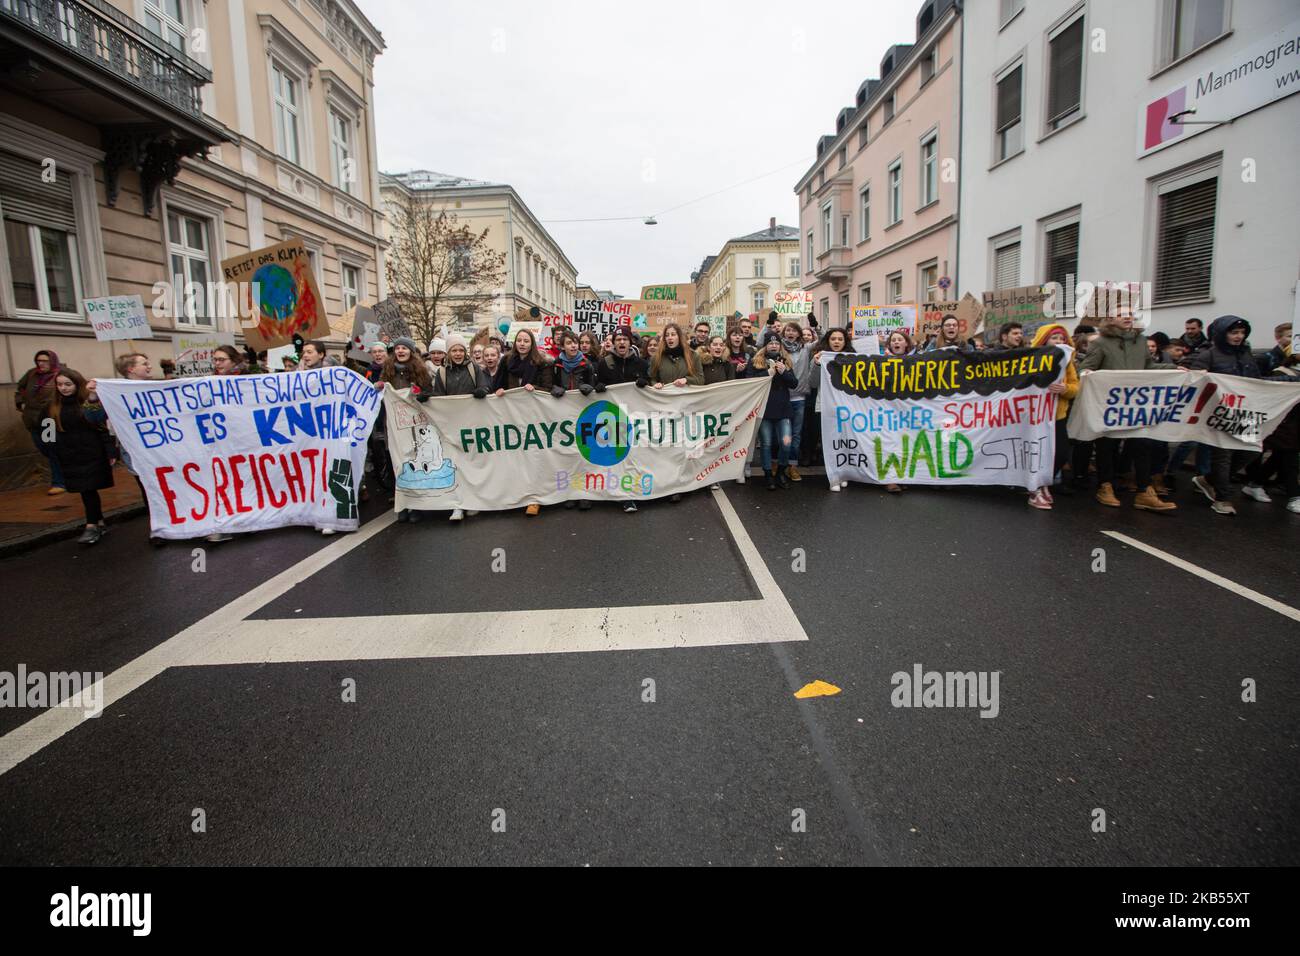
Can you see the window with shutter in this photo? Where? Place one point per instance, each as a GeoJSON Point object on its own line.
{"type": "Point", "coordinates": [1065, 74]}
{"type": "Point", "coordinates": [1063, 255]}
{"type": "Point", "coordinates": [40, 236]}
{"type": "Point", "coordinates": [1006, 267]}
{"type": "Point", "coordinates": [1185, 243]}
{"type": "Point", "coordinates": [1009, 130]}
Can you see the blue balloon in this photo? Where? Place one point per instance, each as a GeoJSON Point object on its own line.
{"type": "Point", "coordinates": [504, 326]}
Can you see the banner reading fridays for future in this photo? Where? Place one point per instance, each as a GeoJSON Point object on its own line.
{"type": "Point", "coordinates": [1226, 411]}
{"type": "Point", "coordinates": [942, 417]}
{"type": "Point", "coordinates": [246, 452]}
{"type": "Point", "coordinates": [625, 443]}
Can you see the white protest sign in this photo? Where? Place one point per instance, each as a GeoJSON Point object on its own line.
{"type": "Point", "coordinates": [194, 352]}
{"type": "Point", "coordinates": [118, 317]}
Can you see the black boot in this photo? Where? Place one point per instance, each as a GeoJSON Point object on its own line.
{"type": "Point", "coordinates": [782, 478]}
{"type": "Point", "coordinates": [771, 482]}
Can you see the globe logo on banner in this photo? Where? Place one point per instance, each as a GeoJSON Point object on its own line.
{"type": "Point", "coordinates": [603, 434]}
{"type": "Point", "coordinates": [277, 294]}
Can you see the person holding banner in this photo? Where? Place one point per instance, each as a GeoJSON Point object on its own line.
{"type": "Point", "coordinates": [801, 364]}
{"type": "Point", "coordinates": [1229, 353]}
{"type": "Point", "coordinates": [458, 375]}
{"type": "Point", "coordinates": [949, 336]}
{"type": "Point", "coordinates": [835, 340]}
{"type": "Point", "coordinates": [738, 353]}
{"type": "Point", "coordinates": [405, 369]}
{"type": "Point", "coordinates": [774, 362]}
{"type": "Point", "coordinates": [529, 369]}
{"type": "Point", "coordinates": [85, 449]}
{"type": "Point", "coordinates": [494, 370]}
{"type": "Point", "coordinates": [674, 363]}
{"type": "Point", "coordinates": [622, 364]}
{"type": "Point", "coordinates": [715, 364]}
{"type": "Point", "coordinates": [1120, 347]}
{"type": "Point", "coordinates": [313, 356]}
{"type": "Point", "coordinates": [225, 361]}
{"type": "Point", "coordinates": [1065, 391]}
{"type": "Point", "coordinates": [572, 371]}
{"type": "Point", "coordinates": [589, 347]}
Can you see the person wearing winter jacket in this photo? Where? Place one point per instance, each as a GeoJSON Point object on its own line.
{"type": "Point", "coordinates": [801, 364]}
{"type": "Point", "coordinates": [572, 371]}
{"type": "Point", "coordinates": [715, 363]}
{"type": "Point", "coordinates": [773, 362]}
{"type": "Point", "coordinates": [494, 369]}
{"type": "Point", "coordinates": [1282, 447]}
{"type": "Point", "coordinates": [738, 352]}
{"type": "Point", "coordinates": [1066, 390]}
{"type": "Point", "coordinates": [1229, 353]}
{"type": "Point", "coordinates": [86, 450]}
{"type": "Point", "coordinates": [949, 337]}
{"type": "Point", "coordinates": [405, 369]}
{"type": "Point", "coordinates": [1120, 347]}
{"type": "Point", "coordinates": [622, 364]}
{"type": "Point", "coordinates": [458, 375]}
{"type": "Point", "coordinates": [33, 394]}
{"type": "Point", "coordinates": [674, 363]}
{"type": "Point", "coordinates": [528, 368]}
{"type": "Point", "coordinates": [834, 340]}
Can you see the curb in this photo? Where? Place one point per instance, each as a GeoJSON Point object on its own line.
{"type": "Point", "coordinates": [48, 534]}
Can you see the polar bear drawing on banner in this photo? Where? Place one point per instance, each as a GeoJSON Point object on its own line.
{"type": "Point", "coordinates": [428, 449]}
{"type": "Point", "coordinates": [426, 469]}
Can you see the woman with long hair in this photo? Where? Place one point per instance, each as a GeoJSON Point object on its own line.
{"type": "Point", "coordinates": [529, 369]}
{"type": "Point", "coordinates": [835, 340]}
{"type": "Point", "coordinates": [405, 369]}
{"type": "Point", "coordinates": [86, 451]}
{"type": "Point", "coordinates": [674, 363]}
{"type": "Point", "coordinates": [715, 364]}
{"type": "Point", "coordinates": [738, 353]}
{"type": "Point", "coordinates": [589, 347]}
{"type": "Point", "coordinates": [773, 361]}
{"type": "Point", "coordinates": [225, 361]}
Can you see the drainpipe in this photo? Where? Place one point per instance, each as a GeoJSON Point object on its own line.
{"type": "Point", "coordinates": [961, 113]}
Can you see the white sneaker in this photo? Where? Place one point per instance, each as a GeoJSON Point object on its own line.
{"type": "Point", "coordinates": [836, 487]}
{"type": "Point", "coordinates": [457, 515]}
{"type": "Point", "coordinates": [1256, 493]}
{"type": "Point", "coordinates": [1223, 508]}
{"type": "Point", "coordinates": [327, 531]}
{"type": "Point", "coordinates": [1202, 484]}
{"type": "Point", "coordinates": [1293, 506]}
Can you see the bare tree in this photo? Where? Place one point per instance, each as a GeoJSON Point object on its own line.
{"type": "Point", "coordinates": [437, 268]}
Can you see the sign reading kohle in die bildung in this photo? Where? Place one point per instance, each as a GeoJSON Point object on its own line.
{"type": "Point", "coordinates": [278, 297]}
{"type": "Point", "coordinates": [118, 317]}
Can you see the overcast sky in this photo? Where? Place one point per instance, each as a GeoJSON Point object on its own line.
{"type": "Point", "coordinates": [596, 109]}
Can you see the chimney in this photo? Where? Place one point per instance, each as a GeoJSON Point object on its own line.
{"type": "Point", "coordinates": [771, 225]}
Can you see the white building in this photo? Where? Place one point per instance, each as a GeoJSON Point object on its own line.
{"type": "Point", "coordinates": [1058, 178]}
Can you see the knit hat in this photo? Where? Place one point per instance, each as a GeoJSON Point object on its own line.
{"type": "Point", "coordinates": [409, 343]}
{"type": "Point", "coordinates": [453, 340]}
{"type": "Point", "coordinates": [437, 345]}
{"type": "Point", "coordinates": [624, 331]}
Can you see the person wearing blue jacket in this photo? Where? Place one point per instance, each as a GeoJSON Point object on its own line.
{"type": "Point", "coordinates": [773, 361]}
{"type": "Point", "coordinates": [1229, 353]}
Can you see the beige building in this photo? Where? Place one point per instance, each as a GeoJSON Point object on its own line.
{"type": "Point", "coordinates": [748, 270]}
{"type": "Point", "coordinates": [537, 272]}
{"type": "Point", "coordinates": [143, 141]}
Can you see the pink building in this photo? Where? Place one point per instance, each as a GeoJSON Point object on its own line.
{"type": "Point", "coordinates": [878, 208]}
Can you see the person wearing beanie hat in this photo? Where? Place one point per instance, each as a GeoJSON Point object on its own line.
{"type": "Point", "coordinates": [407, 342]}
{"type": "Point", "coordinates": [1229, 354]}
{"type": "Point", "coordinates": [406, 370]}
{"type": "Point", "coordinates": [458, 375]}
{"type": "Point", "coordinates": [437, 354]}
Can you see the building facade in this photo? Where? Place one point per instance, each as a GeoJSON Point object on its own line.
{"type": "Point", "coordinates": [143, 141]}
{"type": "Point", "coordinates": [1071, 168]}
{"type": "Point", "coordinates": [878, 207]}
{"type": "Point", "coordinates": [748, 270]}
{"type": "Point", "coordinates": [537, 272]}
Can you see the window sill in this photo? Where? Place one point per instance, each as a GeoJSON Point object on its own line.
{"type": "Point", "coordinates": [1068, 124]}
{"type": "Point", "coordinates": [1006, 159]}
{"type": "Point", "coordinates": [921, 209]}
{"type": "Point", "coordinates": [1011, 19]}
{"type": "Point", "coordinates": [1176, 303]}
{"type": "Point", "coordinates": [1187, 56]}
{"type": "Point", "coordinates": [893, 225]}
{"type": "Point", "coordinates": [63, 318]}
{"type": "Point", "coordinates": [862, 242]}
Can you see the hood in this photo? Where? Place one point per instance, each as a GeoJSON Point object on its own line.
{"type": "Point", "coordinates": [1219, 333]}
{"type": "Point", "coordinates": [1040, 337]}
{"type": "Point", "coordinates": [1110, 330]}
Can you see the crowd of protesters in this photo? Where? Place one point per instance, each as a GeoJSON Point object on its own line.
{"type": "Point", "coordinates": [69, 427]}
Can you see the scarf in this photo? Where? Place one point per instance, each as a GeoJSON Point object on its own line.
{"type": "Point", "coordinates": [522, 369]}
{"type": "Point", "coordinates": [43, 379]}
{"type": "Point", "coordinates": [673, 353]}
{"type": "Point", "coordinates": [571, 365]}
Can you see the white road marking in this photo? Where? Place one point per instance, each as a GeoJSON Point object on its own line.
{"type": "Point", "coordinates": [1239, 589]}
{"type": "Point", "coordinates": [227, 637]}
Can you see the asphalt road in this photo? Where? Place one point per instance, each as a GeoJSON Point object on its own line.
{"type": "Point", "coordinates": [1119, 691]}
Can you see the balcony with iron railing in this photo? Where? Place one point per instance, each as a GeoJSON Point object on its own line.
{"type": "Point", "coordinates": [96, 33]}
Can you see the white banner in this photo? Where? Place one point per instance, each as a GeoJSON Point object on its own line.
{"type": "Point", "coordinates": [942, 418]}
{"type": "Point", "coordinates": [244, 453]}
{"type": "Point", "coordinates": [1226, 411]}
{"type": "Point", "coordinates": [625, 443]}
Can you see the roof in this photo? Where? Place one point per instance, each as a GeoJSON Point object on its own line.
{"type": "Point", "coordinates": [768, 235]}
{"type": "Point", "coordinates": [422, 179]}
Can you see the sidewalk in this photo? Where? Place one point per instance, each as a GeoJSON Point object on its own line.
{"type": "Point", "coordinates": [29, 517]}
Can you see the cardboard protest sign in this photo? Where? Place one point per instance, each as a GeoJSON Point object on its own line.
{"type": "Point", "coordinates": [717, 323]}
{"type": "Point", "coordinates": [877, 321]}
{"type": "Point", "coordinates": [650, 318]}
{"type": "Point", "coordinates": [792, 305]}
{"type": "Point", "coordinates": [1226, 411]}
{"type": "Point", "coordinates": [278, 297]}
{"type": "Point", "coordinates": [118, 317]}
{"type": "Point", "coordinates": [622, 444]}
{"type": "Point", "coordinates": [365, 332]}
{"type": "Point", "coordinates": [942, 417]}
{"type": "Point", "coordinates": [682, 293]}
{"type": "Point", "coordinates": [194, 351]}
{"type": "Point", "coordinates": [967, 310]}
{"type": "Point", "coordinates": [391, 324]}
{"type": "Point", "coordinates": [1024, 305]}
{"type": "Point", "coordinates": [275, 357]}
{"type": "Point", "coordinates": [245, 453]}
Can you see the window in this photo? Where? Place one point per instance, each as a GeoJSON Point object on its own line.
{"type": "Point", "coordinates": [888, 109]}
{"type": "Point", "coordinates": [1184, 239]}
{"type": "Point", "coordinates": [341, 159]}
{"type": "Point", "coordinates": [760, 300]}
{"type": "Point", "coordinates": [895, 192]}
{"type": "Point", "coordinates": [862, 134]}
{"type": "Point", "coordinates": [826, 226]}
{"type": "Point", "coordinates": [1064, 73]}
{"type": "Point", "coordinates": [40, 237]}
{"type": "Point", "coordinates": [1061, 256]}
{"type": "Point", "coordinates": [895, 285]}
{"type": "Point", "coordinates": [864, 213]}
{"type": "Point", "coordinates": [811, 251]}
{"type": "Point", "coordinates": [844, 231]}
{"type": "Point", "coordinates": [519, 279]}
{"type": "Point", "coordinates": [1188, 25]}
{"type": "Point", "coordinates": [1006, 263]}
{"type": "Point", "coordinates": [844, 310]}
{"type": "Point", "coordinates": [794, 267]}
{"type": "Point", "coordinates": [929, 281]}
{"type": "Point", "coordinates": [350, 280]}
{"type": "Point", "coordinates": [166, 20]}
{"type": "Point", "coordinates": [844, 156]}
{"type": "Point", "coordinates": [286, 114]}
{"type": "Point", "coordinates": [930, 64]}
{"type": "Point", "coordinates": [189, 249]}
{"type": "Point", "coordinates": [1009, 8]}
{"type": "Point", "coordinates": [930, 169]}
{"type": "Point", "coordinates": [826, 307]}
{"type": "Point", "coordinates": [1008, 131]}
{"type": "Point", "coordinates": [864, 294]}
{"type": "Point", "coordinates": [760, 268]}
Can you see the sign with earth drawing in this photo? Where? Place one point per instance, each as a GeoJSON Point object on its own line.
{"type": "Point", "coordinates": [277, 295]}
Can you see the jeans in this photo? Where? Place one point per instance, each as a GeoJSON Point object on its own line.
{"type": "Point", "coordinates": [56, 470]}
{"type": "Point", "coordinates": [796, 427]}
{"type": "Point", "coordinates": [780, 429]}
{"type": "Point", "coordinates": [1221, 470]}
{"type": "Point", "coordinates": [1202, 457]}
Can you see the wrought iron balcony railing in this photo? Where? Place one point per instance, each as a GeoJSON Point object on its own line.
{"type": "Point", "coordinates": [98, 32]}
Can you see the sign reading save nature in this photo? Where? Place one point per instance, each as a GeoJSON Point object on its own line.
{"type": "Point", "coordinates": [278, 297]}
{"type": "Point", "coordinates": [943, 417]}
{"type": "Point", "coordinates": [246, 452]}
{"type": "Point", "coordinates": [625, 443]}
